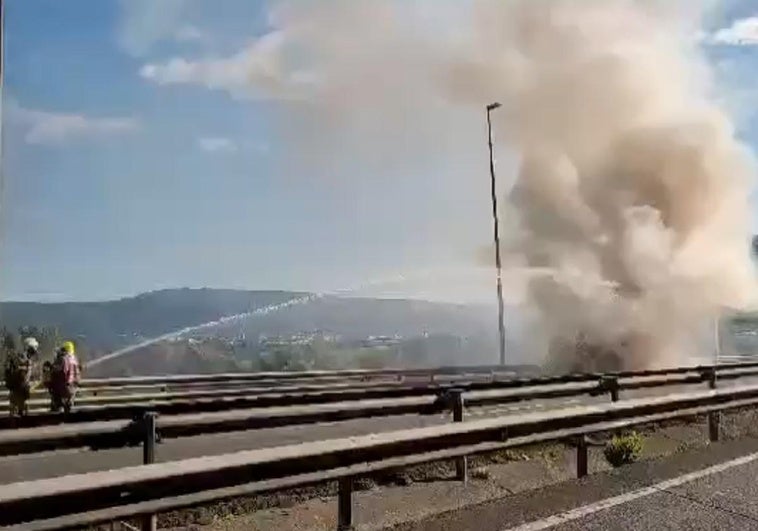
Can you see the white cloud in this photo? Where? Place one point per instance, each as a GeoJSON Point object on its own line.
{"type": "Point", "coordinates": [216, 144]}
{"type": "Point", "coordinates": [143, 23]}
{"type": "Point", "coordinates": [190, 33]}
{"type": "Point", "coordinates": [742, 32]}
{"type": "Point", "coordinates": [221, 144]}
{"type": "Point", "coordinates": [257, 71]}
{"type": "Point", "coordinates": [51, 128]}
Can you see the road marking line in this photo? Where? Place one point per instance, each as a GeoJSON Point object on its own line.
{"type": "Point", "coordinates": [586, 510]}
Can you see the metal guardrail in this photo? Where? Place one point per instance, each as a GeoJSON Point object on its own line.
{"type": "Point", "coordinates": [99, 435]}
{"type": "Point", "coordinates": [144, 490]}
{"type": "Point", "coordinates": [168, 382]}
{"type": "Point", "coordinates": [274, 377]}
{"type": "Point", "coordinates": [270, 411]}
{"type": "Point", "coordinates": [367, 373]}
{"type": "Point", "coordinates": [117, 394]}
{"type": "Point", "coordinates": [147, 398]}
{"type": "Point", "coordinates": [257, 398]}
{"type": "Point", "coordinates": [109, 388]}
{"type": "Point", "coordinates": [136, 388]}
{"type": "Point", "coordinates": [89, 410]}
{"type": "Point", "coordinates": [310, 375]}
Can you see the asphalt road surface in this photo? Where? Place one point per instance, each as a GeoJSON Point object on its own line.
{"type": "Point", "coordinates": [54, 464]}
{"type": "Point", "coordinates": [709, 489]}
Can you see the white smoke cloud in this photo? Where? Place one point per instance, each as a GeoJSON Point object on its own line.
{"type": "Point", "coordinates": [630, 175]}
{"type": "Point", "coordinates": [350, 71]}
{"type": "Point", "coordinates": [55, 128]}
{"type": "Point", "coordinates": [742, 32]}
{"type": "Point", "coordinates": [255, 72]}
{"type": "Point", "coordinates": [632, 195]}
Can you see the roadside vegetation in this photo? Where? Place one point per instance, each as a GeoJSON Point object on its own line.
{"type": "Point", "coordinates": [623, 449]}
{"type": "Point", "coordinates": [49, 339]}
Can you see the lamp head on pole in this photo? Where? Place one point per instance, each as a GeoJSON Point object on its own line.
{"type": "Point", "coordinates": [493, 106]}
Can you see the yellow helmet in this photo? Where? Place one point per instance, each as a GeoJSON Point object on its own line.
{"type": "Point", "coordinates": [68, 347]}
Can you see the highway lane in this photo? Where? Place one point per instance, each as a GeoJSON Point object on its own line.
{"type": "Point", "coordinates": [723, 500]}
{"type": "Point", "coordinates": [708, 489]}
{"type": "Point", "coordinates": [54, 464]}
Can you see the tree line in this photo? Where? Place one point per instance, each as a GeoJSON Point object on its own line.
{"type": "Point", "coordinates": [49, 338]}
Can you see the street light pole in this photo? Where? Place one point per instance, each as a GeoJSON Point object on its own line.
{"type": "Point", "coordinates": [500, 307]}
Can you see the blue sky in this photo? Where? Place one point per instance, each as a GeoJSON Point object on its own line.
{"type": "Point", "coordinates": [128, 168]}
{"type": "Point", "coordinates": [117, 212]}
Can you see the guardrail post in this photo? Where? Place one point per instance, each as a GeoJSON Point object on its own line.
{"type": "Point", "coordinates": [149, 522]}
{"type": "Point", "coordinates": [714, 420]}
{"type": "Point", "coordinates": [614, 390]}
{"type": "Point", "coordinates": [457, 403]}
{"type": "Point", "coordinates": [610, 384]}
{"type": "Point", "coordinates": [714, 417]}
{"type": "Point", "coordinates": [581, 456]}
{"type": "Point", "coordinates": [345, 504]}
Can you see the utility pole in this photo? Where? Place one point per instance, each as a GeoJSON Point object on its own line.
{"type": "Point", "coordinates": [500, 307]}
{"type": "Point", "coordinates": [2, 42]}
{"type": "Point", "coordinates": [2, 130]}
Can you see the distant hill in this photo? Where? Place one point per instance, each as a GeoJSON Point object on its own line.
{"type": "Point", "coordinates": [357, 318]}
{"type": "Point", "coordinates": [109, 325]}
{"type": "Point", "coordinates": [112, 324]}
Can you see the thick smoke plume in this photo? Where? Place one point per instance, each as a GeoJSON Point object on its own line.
{"type": "Point", "coordinates": [631, 199]}
{"type": "Point", "coordinates": [632, 189]}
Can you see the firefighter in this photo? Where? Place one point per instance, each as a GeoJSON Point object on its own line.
{"type": "Point", "coordinates": [47, 382]}
{"type": "Point", "coordinates": [19, 368]}
{"type": "Point", "coordinates": [64, 378]}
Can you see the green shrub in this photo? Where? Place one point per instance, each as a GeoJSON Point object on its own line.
{"type": "Point", "coordinates": [623, 449]}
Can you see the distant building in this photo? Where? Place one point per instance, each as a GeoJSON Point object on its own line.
{"type": "Point", "coordinates": [299, 338]}
{"type": "Point", "coordinates": [381, 341]}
